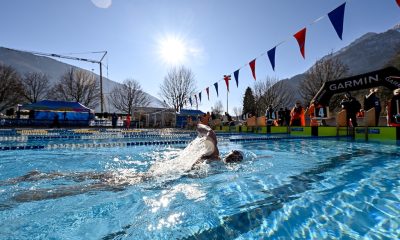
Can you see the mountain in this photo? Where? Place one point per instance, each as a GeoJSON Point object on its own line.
{"type": "Point", "coordinates": [25, 62]}
{"type": "Point", "coordinates": [370, 52]}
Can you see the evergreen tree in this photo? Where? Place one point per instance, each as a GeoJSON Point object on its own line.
{"type": "Point", "coordinates": [249, 103]}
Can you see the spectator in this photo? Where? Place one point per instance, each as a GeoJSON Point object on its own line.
{"type": "Point", "coordinates": [312, 111]}
{"type": "Point", "coordinates": [287, 117]}
{"type": "Point", "coordinates": [281, 116]}
{"type": "Point", "coordinates": [227, 120]}
{"type": "Point", "coordinates": [114, 120]}
{"type": "Point", "coordinates": [352, 106]}
{"type": "Point", "coordinates": [56, 122]}
{"type": "Point", "coordinates": [394, 111]}
{"type": "Point", "coordinates": [297, 115]}
{"type": "Point", "coordinates": [372, 101]}
{"type": "Point", "coordinates": [128, 121]}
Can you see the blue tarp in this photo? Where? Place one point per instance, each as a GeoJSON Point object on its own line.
{"type": "Point", "coordinates": [47, 110]}
{"type": "Point", "coordinates": [181, 117]}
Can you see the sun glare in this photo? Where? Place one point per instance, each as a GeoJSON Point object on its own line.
{"type": "Point", "coordinates": [173, 51]}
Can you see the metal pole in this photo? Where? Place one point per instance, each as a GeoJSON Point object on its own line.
{"type": "Point", "coordinates": [101, 89]}
{"type": "Point", "coordinates": [101, 83]}
{"type": "Point", "coordinates": [227, 94]}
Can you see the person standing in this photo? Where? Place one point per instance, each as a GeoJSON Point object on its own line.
{"type": "Point", "coordinates": [281, 116]}
{"type": "Point", "coordinates": [114, 120]}
{"type": "Point", "coordinates": [287, 117]}
{"type": "Point", "coordinates": [312, 112]}
{"type": "Point", "coordinates": [128, 121]}
{"type": "Point", "coordinates": [297, 115]}
{"type": "Point", "coordinates": [372, 101]}
{"type": "Point", "coordinates": [352, 106]}
{"type": "Point", "coordinates": [394, 110]}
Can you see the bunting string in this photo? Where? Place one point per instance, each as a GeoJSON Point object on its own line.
{"type": "Point", "coordinates": [336, 18]}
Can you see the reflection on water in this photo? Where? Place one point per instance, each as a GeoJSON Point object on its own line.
{"type": "Point", "coordinates": [350, 191]}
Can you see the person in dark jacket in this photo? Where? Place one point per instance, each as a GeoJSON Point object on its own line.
{"type": "Point", "coordinates": [352, 106]}
{"type": "Point", "coordinates": [372, 101]}
{"type": "Point", "coordinates": [114, 120]}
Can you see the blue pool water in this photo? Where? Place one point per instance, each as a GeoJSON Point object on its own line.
{"type": "Point", "coordinates": [288, 188]}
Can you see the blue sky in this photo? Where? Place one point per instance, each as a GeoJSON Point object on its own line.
{"type": "Point", "coordinates": [219, 36]}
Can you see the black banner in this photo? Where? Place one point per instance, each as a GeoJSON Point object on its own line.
{"type": "Point", "coordinates": [383, 77]}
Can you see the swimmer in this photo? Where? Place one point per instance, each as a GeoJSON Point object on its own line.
{"type": "Point", "coordinates": [212, 149]}
{"type": "Point", "coordinates": [112, 181]}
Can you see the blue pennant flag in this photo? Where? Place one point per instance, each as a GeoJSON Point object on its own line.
{"type": "Point", "coordinates": [236, 74]}
{"type": "Point", "coordinates": [271, 56]}
{"type": "Point", "coordinates": [216, 87]}
{"type": "Point", "coordinates": [337, 18]}
{"type": "Point", "coordinates": [190, 100]}
{"type": "Point", "coordinates": [200, 96]}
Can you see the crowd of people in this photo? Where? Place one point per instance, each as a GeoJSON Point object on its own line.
{"type": "Point", "coordinates": [315, 114]}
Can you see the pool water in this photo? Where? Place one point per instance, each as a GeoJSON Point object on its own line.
{"type": "Point", "coordinates": [284, 189]}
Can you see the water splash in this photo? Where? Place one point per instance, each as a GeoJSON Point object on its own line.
{"type": "Point", "coordinates": [175, 168]}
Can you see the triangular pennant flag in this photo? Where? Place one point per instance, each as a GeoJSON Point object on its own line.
{"type": "Point", "coordinates": [227, 78]}
{"type": "Point", "coordinates": [190, 100]}
{"type": "Point", "coordinates": [208, 93]}
{"type": "Point", "coordinates": [301, 39]}
{"type": "Point", "coordinates": [216, 87]}
{"type": "Point", "coordinates": [398, 2]}
{"type": "Point", "coordinates": [253, 68]}
{"type": "Point", "coordinates": [236, 74]}
{"type": "Point", "coordinates": [271, 56]}
{"type": "Point", "coordinates": [200, 96]}
{"type": "Point", "coordinates": [195, 97]}
{"type": "Point", "coordinates": [337, 18]}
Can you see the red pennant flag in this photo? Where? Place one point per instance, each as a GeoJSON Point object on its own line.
{"type": "Point", "coordinates": [398, 2]}
{"type": "Point", "coordinates": [227, 78]}
{"type": "Point", "coordinates": [208, 93]}
{"type": "Point", "coordinates": [301, 39]}
{"type": "Point", "coordinates": [253, 68]}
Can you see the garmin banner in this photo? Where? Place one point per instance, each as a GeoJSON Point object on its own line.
{"type": "Point", "coordinates": [384, 77]}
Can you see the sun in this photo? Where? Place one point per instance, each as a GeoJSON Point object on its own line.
{"type": "Point", "coordinates": [173, 50]}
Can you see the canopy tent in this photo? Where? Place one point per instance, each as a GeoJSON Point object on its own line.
{"type": "Point", "coordinates": [65, 111]}
{"type": "Point", "coordinates": [47, 105]}
{"type": "Point", "coordinates": [182, 116]}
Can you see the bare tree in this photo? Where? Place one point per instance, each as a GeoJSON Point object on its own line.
{"type": "Point", "coordinates": [36, 87]}
{"type": "Point", "coordinates": [273, 92]}
{"type": "Point", "coordinates": [324, 70]}
{"type": "Point", "coordinates": [79, 86]}
{"type": "Point", "coordinates": [238, 111]}
{"type": "Point", "coordinates": [178, 86]}
{"type": "Point", "coordinates": [129, 95]}
{"type": "Point", "coordinates": [10, 87]}
{"type": "Point", "coordinates": [218, 108]}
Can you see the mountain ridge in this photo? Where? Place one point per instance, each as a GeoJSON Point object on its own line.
{"type": "Point", "coordinates": [24, 62]}
{"type": "Point", "coordinates": [369, 52]}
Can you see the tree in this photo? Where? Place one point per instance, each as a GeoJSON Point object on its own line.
{"type": "Point", "coordinates": [10, 87]}
{"type": "Point", "coordinates": [128, 95]}
{"type": "Point", "coordinates": [324, 70]}
{"type": "Point", "coordinates": [178, 86]}
{"type": "Point", "coordinates": [35, 87]}
{"type": "Point", "coordinates": [237, 111]}
{"type": "Point", "coordinates": [218, 108]}
{"type": "Point", "coordinates": [79, 86]}
{"type": "Point", "coordinates": [273, 92]}
{"type": "Point", "coordinates": [249, 102]}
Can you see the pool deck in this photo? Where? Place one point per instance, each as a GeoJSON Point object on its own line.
{"type": "Point", "coordinates": [385, 134]}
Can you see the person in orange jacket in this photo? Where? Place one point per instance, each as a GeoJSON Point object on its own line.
{"type": "Point", "coordinates": [128, 121]}
{"type": "Point", "coordinates": [311, 111]}
{"type": "Point", "coordinates": [297, 115]}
